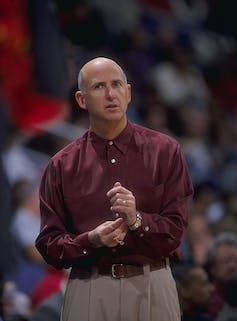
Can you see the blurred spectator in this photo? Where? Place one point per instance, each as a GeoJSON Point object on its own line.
{"type": "Point", "coordinates": [165, 39]}
{"type": "Point", "coordinates": [49, 284]}
{"type": "Point", "coordinates": [221, 265]}
{"type": "Point", "coordinates": [192, 12]}
{"type": "Point", "coordinates": [222, 81]}
{"type": "Point", "coordinates": [25, 227]}
{"type": "Point", "coordinates": [27, 106]}
{"type": "Point", "coordinates": [229, 311]}
{"type": "Point", "coordinates": [48, 49]}
{"type": "Point", "coordinates": [1, 296]}
{"type": "Point", "coordinates": [85, 33]}
{"type": "Point", "coordinates": [195, 292]}
{"type": "Point", "coordinates": [199, 238]}
{"type": "Point", "coordinates": [200, 153]}
{"type": "Point", "coordinates": [82, 23]}
{"type": "Point", "coordinates": [137, 57]}
{"type": "Point", "coordinates": [17, 162]}
{"type": "Point", "coordinates": [129, 10]}
{"type": "Point", "coordinates": [228, 223]}
{"type": "Point", "coordinates": [16, 303]}
{"type": "Point", "coordinates": [205, 197]}
{"type": "Point", "coordinates": [6, 245]}
{"type": "Point", "coordinates": [156, 117]}
{"type": "Point", "coordinates": [50, 308]}
{"type": "Point", "coordinates": [178, 81]}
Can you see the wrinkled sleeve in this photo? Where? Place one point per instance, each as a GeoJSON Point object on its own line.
{"type": "Point", "coordinates": [161, 233]}
{"type": "Point", "coordinates": [58, 245]}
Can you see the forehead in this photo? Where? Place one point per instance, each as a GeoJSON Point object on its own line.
{"type": "Point", "coordinates": [225, 249]}
{"type": "Point", "coordinates": [102, 71]}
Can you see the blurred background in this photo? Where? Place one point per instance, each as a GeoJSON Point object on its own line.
{"type": "Point", "coordinates": [180, 57]}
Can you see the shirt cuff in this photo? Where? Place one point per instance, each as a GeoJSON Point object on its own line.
{"type": "Point", "coordinates": [86, 248]}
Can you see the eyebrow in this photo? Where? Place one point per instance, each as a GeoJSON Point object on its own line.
{"type": "Point", "coordinates": [104, 82]}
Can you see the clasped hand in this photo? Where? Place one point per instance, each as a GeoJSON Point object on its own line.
{"type": "Point", "coordinates": [112, 233]}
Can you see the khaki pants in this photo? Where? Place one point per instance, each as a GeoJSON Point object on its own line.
{"type": "Point", "coordinates": [149, 297]}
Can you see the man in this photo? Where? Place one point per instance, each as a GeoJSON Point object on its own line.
{"type": "Point", "coordinates": [221, 266]}
{"type": "Point", "coordinates": [114, 207]}
{"type": "Point", "coordinates": [195, 292]}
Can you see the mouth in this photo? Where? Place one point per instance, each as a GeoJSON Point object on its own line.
{"type": "Point", "coordinates": [111, 106]}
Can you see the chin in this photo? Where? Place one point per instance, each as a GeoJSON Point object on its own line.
{"type": "Point", "coordinates": [115, 116]}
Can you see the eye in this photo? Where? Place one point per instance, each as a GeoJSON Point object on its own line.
{"type": "Point", "coordinates": [117, 83]}
{"type": "Point", "coordinates": [99, 86]}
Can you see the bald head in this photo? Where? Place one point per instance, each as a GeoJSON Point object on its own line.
{"type": "Point", "coordinates": [92, 66]}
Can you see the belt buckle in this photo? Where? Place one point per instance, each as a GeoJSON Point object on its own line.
{"type": "Point", "coordinates": [113, 271]}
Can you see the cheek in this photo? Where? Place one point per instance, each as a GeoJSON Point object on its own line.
{"type": "Point", "coordinates": [93, 102]}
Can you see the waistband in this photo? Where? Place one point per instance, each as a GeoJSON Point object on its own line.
{"type": "Point", "coordinates": [118, 270]}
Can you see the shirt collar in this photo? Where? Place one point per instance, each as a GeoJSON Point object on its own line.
{"type": "Point", "coordinates": [121, 141]}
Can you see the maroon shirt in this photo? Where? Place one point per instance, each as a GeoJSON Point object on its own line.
{"type": "Point", "coordinates": [73, 198]}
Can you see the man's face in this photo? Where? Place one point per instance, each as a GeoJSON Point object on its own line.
{"type": "Point", "coordinates": [106, 93]}
{"type": "Point", "coordinates": [226, 263]}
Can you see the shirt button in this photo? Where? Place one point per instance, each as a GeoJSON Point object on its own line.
{"type": "Point", "coordinates": [84, 251]}
{"type": "Point", "coordinates": [113, 160]}
{"type": "Point", "coordinates": [146, 228]}
{"type": "Point", "coordinates": [141, 235]}
{"type": "Point", "coordinates": [110, 142]}
{"type": "Point", "coordinates": [114, 250]}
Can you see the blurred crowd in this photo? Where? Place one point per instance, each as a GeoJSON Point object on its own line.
{"type": "Point", "coordinates": [180, 57]}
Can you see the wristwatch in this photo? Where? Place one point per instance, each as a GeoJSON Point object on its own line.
{"type": "Point", "coordinates": [137, 223]}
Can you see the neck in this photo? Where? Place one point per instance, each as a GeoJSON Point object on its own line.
{"type": "Point", "coordinates": [109, 130]}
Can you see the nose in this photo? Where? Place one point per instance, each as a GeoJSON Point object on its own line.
{"type": "Point", "coordinates": [110, 92]}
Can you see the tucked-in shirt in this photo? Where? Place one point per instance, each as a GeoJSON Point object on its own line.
{"type": "Point", "coordinates": [73, 198]}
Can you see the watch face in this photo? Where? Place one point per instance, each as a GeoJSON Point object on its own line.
{"type": "Point", "coordinates": [138, 222]}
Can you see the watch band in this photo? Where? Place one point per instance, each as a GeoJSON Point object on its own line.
{"type": "Point", "coordinates": [137, 223]}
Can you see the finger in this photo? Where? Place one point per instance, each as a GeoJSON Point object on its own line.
{"type": "Point", "coordinates": [118, 199]}
{"type": "Point", "coordinates": [112, 226]}
{"type": "Point", "coordinates": [111, 239]}
{"type": "Point", "coordinates": [120, 238]}
{"type": "Point", "coordinates": [122, 198]}
{"type": "Point", "coordinates": [120, 242]}
{"type": "Point", "coordinates": [117, 184]}
{"type": "Point", "coordinates": [117, 189]}
{"type": "Point", "coordinates": [120, 206]}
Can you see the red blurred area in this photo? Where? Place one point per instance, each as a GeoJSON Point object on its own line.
{"type": "Point", "coordinates": [28, 108]}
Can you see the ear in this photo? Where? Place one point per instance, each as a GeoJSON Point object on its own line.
{"type": "Point", "coordinates": [80, 99]}
{"type": "Point", "coordinates": [129, 93]}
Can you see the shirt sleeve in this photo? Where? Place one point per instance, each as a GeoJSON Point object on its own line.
{"type": "Point", "coordinates": [161, 233]}
{"type": "Point", "coordinates": [58, 245]}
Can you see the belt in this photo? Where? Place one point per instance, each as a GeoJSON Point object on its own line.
{"type": "Point", "coordinates": [120, 270]}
